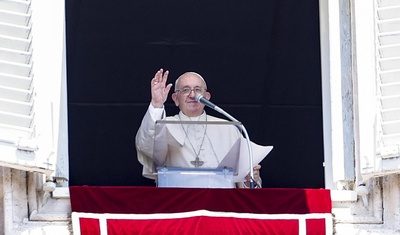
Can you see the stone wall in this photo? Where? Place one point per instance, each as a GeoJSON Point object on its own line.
{"type": "Point", "coordinates": [25, 208]}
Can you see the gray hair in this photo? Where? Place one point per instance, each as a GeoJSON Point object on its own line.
{"type": "Point", "coordinates": [193, 73]}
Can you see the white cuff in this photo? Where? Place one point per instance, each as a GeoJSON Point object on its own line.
{"type": "Point", "coordinates": [156, 113]}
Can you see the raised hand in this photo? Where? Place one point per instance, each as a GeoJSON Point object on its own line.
{"type": "Point", "coordinates": [159, 89]}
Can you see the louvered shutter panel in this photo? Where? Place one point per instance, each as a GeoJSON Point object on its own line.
{"type": "Point", "coordinates": [20, 146]}
{"type": "Point", "coordinates": [33, 126]}
{"type": "Point", "coordinates": [16, 79]}
{"type": "Point", "coordinates": [388, 74]}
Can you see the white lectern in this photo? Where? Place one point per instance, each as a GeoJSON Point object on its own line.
{"type": "Point", "coordinates": [170, 133]}
{"type": "Point", "coordinates": [195, 177]}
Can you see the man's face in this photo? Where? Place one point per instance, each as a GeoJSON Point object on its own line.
{"type": "Point", "coordinates": [187, 102]}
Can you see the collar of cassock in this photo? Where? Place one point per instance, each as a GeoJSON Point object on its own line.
{"type": "Point", "coordinates": [177, 131]}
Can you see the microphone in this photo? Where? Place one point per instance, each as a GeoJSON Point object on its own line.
{"type": "Point", "coordinates": [200, 98]}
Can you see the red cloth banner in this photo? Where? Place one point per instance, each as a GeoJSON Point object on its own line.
{"type": "Point", "coordinates": [144, 200]}
{"type": "Point", "coordinates": [148, 210]}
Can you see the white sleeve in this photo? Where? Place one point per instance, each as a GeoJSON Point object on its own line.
{"type": "Point", "coordinates": [145, 139]}
{"type": "Point", "coordinates": [156, 113]}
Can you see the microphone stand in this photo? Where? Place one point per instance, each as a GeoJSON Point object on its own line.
{"type": "Point", "coordinates": [246, 135]}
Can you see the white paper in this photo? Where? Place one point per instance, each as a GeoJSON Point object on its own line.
{"type": "Point", "coordinates": [243, 163]}
{"type": "Point", "coordinates": [231, 159]}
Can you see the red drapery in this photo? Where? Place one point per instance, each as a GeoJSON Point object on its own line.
{"type": "Point", "coordinates": [257, 211]}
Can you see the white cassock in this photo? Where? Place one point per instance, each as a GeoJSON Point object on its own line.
{"type": "Point", "coordinates": [182, 143]}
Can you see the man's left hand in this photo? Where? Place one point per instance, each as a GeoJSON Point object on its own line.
{"type": "Point", "coordinates": [256, 172]}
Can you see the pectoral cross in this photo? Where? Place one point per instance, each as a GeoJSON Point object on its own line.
{"type": "Point", "coordinates": [197, 163]}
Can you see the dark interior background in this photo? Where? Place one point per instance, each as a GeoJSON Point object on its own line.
{"type": "Point", "coordinates": [261, 60]}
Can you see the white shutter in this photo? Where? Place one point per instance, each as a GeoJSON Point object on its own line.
{"type": "Point", "coordinates": [16, 79]}
{"type": "Point", "coordinates": [377, 87]}
{"type": "Point", "coordinates": [29, 80]}
{"type": "Point", "coordinates": [388, 74]}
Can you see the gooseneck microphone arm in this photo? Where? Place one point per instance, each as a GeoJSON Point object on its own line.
{"type": "Point", "coordinates": [200, 98]}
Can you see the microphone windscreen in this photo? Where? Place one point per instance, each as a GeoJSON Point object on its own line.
{"type": "Point", "coordinates": [198, 97]}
